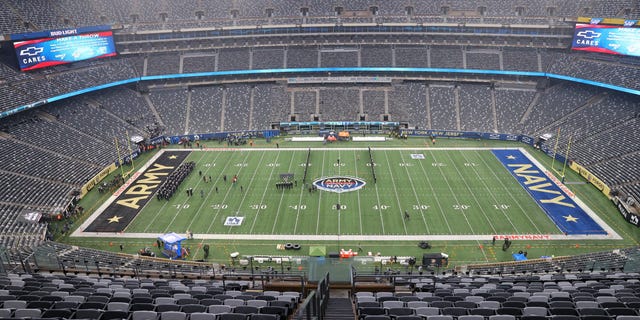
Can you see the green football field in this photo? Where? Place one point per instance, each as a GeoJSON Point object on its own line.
{"type": "Point", "coordinates": [456, 199]}
{"type": "Point", "coordinates": [454, 191]}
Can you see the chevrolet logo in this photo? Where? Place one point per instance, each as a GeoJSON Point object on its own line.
{"type": "Point", "coordinates": [31, 51]}
{"type": "Point", "coordinates": [588, 34]}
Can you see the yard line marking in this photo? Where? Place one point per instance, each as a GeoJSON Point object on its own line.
{"type": "Point", "coordinates": [461, 209]}
{"type": "Point", "coordinates": [206, 200]}
{"type": "Point", "coordinates": [395, 190]}
{"type": "Point", "coordinates": [215, 217]}
{"type": "Point", "coordinates": [204, 203]}
{"type": "Point", "coordinates": [493, 195]}
{"type": "Point", "coordinates": [453, 193]}
{"type": "Point", "coordinates": [273, 168]}
{"type": "Point", "coordinates": [320, 194]}
{"type": "Point", "coordinates": [379, 209]}
{"type": "Point", "coordinates": [275, 221]}
{"type": "Point", "coordinates": [424, 220]}
{"type": "Point", "coordinates": [244, 193]}
{"type": "Point", "coordinates": [473, 195]}
{"type": "Point", "coordinates": [339, 211]}
{"type": "Point", "coordinates": [358, 193]}
{"type": "Point", "coordinates": [433, 192]}
{"type": "Point", "coordinates": [302, 189]}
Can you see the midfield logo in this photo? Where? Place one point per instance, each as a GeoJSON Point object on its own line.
{"type": "Point", "coordinates": [339, 184]}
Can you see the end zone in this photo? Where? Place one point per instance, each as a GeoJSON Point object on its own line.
{"type": "Point", "coordinates": [568, 213]}
{"type": "Point", "coordinates": [123, 206]}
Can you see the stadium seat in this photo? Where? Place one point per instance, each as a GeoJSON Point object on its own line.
{"type": "Point", "coordinates": [210, 302]}
{"type": "Point", "coordinates": [564, 317]}
{"type": "Point", "coordinates": [232, 316]}
{"type": "Point", "coordinates": [173, 315]}
{"type": "Point", "coordinates": [617, 312]}
{"type": "Point", "coordinates": [234, 302]}
{"type": "Point", "coordinates": [509, 311]}
{"type": "Point", "coordinates": [262, 317]}
{"type": "Point", "coordinates": [111, 314]}
{"type": "Point", "coordinates": [406, 299]}
{"type": "Point", "coordinates": [246, 309]}
{"type": "Point", "coordinates": [280, 311]}
{"type": "Point", "coordinates": [193, 308]}
{"type": "Point", "coordinates": [14, 304]}
{"type": "Point", "coordinates": [144, 315]}
{"type": "Point", "coordinates": [427, 311]}
{"type": "Point", "coordinates": [441, 304]}
{"type": "Point", "coordinates": [377, 317]}
{"type": "Point", "coordinates": [502, 317]}
{"type": "Point", "coordinates": [392, 304]}
{"type": "Point", "coordinates": [118, 306]}
{"type": "Point", "coordinates": [201, 316]}
{"type": "Point", "coordinates": [66, 305]}
{"type": "Point", "coordinates": [5, 313]}
{"type": "Point", "coordinates": [455, 311]}
{"type": "Point", "coordinates": [415, 304]}
{"type": "Point", "coordinates": [402, 311]}
{"type": "Point", "coordinates": [219, 309]}
{"type": "Point", "coordinates": [167, 307]}
{"type": "Point", "coordinates": [465, 304]}
{"type": "Point", "coordinates": [482, 312]}
{"type": "Point", "coordinates": [88, 314]}
{"type": "Point", "coordinates": [93, 305]}
{"type": "Point", "coordinates": [27, 313]}
{"type": "Point", "coordinates": [440, 317]}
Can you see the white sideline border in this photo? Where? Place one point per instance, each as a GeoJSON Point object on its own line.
{"type": "Point", "coordinates": [78, 233]}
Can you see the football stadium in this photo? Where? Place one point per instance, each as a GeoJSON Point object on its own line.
{"type": "Point", "coordinates": [299, 159]}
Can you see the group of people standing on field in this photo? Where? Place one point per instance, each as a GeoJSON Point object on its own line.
{"type": "Point", "coordinates": [169, 187]}
{"type": "Point", "coordinates": [175, 178]}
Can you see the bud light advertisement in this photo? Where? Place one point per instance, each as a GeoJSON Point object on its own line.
{"type": "Point", "coordinates": [46, 52]}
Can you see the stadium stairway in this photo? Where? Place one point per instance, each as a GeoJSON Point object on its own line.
{"type": "Point", "coordinates": [339, 309]}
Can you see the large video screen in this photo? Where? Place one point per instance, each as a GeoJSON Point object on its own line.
{"type": "Point", "coordinates": [51, 51]}
{"type": "Point", "coordinates": [606, 39]}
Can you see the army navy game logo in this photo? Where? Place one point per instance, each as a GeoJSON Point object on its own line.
{"type": "Point", "coordinates": [339, 184]}
{"type": "Point", "coordinates": [233, 221]}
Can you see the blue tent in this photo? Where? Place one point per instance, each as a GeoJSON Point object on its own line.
{"type": "Point", "coordinates": [172, 245]}
{"type": "Point", "coordinates": [519, 257]}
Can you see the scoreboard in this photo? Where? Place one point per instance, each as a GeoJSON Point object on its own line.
{"type": "Point", "coordinates": [56, 47]}
{"type": "Point", "coordinates": [607, 39]}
